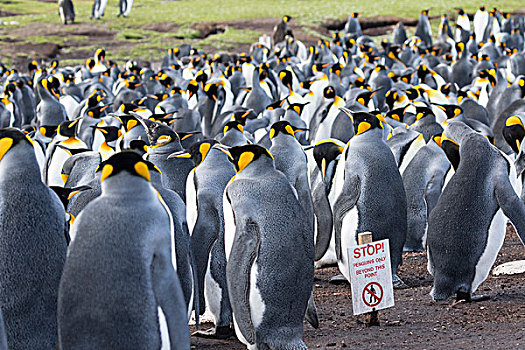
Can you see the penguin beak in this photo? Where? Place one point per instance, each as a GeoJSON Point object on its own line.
{"type": "Point", "coordinates": [323, 168]}
{"type": "Point", "coordinates": [181, 154]}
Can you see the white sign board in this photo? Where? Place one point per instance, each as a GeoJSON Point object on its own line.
{"type": "Point", "coordinates": [371, 277]}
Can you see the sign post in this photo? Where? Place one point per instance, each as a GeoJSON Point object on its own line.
{"type": "Point", "coordinates": [370, 277]}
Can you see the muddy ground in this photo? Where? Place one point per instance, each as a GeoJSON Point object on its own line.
{"type": "Point", "coordinates": [416, 322]}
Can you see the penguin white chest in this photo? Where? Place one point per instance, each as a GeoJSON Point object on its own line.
{"type": "Point", "coordinates": [348, 239]}
{"type": "Point", "coordinates": [495, 238]}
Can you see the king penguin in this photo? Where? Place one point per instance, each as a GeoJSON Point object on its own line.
{"type": "Point", "coordinates": [121, 266]}
{"type": "Point", "coordinates": [372, 197]}
{"type": "Point", "coordinates": [32, 247]}
{"type": "Point", "coordinates": [269, 252]}
{"type": "Point", "coordinates": [66, 10]}
{"type": "Point", "coordinates": [465, 233]}
{"type": "Point", "coordinates": [204, 188]}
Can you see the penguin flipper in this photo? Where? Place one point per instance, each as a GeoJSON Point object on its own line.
{"type": "Point", "coordinates": [311, 312]}
{"type": "Point", "coordinates": [242, 257]}
{"type": "Point", "coordinates": [346, 201]}
{"type": "Point", "coordinates": [323, 214]}
{"type": "Point", "coordinates": [170, 298]}
{"type": "Point", "coordinates": [512, 206]}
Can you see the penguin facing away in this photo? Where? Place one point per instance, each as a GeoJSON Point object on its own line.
{"type": "Point", "coordinates": [270, 255]}
{"type": "Point", "coordinates": [461, 252]}
{"type": "Point", "coordinates": [127, 253]}
{"type": "Point", "coordinates": [66, 10]}
{"type": "Point", "coordinates": [32, 246]}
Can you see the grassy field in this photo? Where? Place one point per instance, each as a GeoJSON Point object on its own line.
{"type": "Point", "coordinates": [154, 25]}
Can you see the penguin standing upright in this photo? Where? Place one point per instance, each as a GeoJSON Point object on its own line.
{"type": "Point", "coordinates": [372, 197]}
{"type": "Point", "coordinates": [465, 233]}
{"type": "Point", "coordinates": [204, 188]}
{"type": "Point", "coordinates": [423, 29]}
{"type": "Point", "coordinates": [124, 7]}
{"type": "Point", "coordinates": [270, 253]}
{"type": "Point", "coordinates": [281, 30]}
{"type": "Point", "coordinates": [121, 266]}
{"type": "Point", "coordinates": [66, 10]}
{"type": "Point", "coordinates": [32, 247]}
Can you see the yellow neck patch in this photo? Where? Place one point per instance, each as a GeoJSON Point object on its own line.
{"type": "Point", "coordinates": [5, 145]}
{"type": "Point", "coordinates": [244, 160]}
{"type": "Point", "coordinates": [131, 124]}
{"type": "Point", "coordinates": [142, 169]}
{"type": "Point", "coordinates": [106, 171]}
{"type": "Point", "coordinates": [204, 149]}
{"type": "Point", "coordinates": [514, 120]}
{"type": "Point", "coordinates": [363, 126]}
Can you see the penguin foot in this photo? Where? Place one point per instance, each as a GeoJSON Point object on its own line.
{"type": "Point", "coordinates": [468, 298]}
{"type": "Point", "coordinates": [223, 332]}
{"type": "Point", "coordinates": [398, 282]}
{"type": "Point", "coordinates": [338, 279]}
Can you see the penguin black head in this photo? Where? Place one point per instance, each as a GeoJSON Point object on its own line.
{"type": "Point", "coordinates": [242, 115]}
{"type": "Point", "coordinates": [460, 11]}
{"type": "Point", "coordinates": [32, 66]}
{"type": "Point", "coordinates": [287, 18]}
{"type": "Point", "coordinates": [68, 128]}
{"type": "Point", "coordinates": [233, 125]}
{"type": "Point", "coordinates": [9, 138]}
{"type": "Point", "coordinates": [111, 133]}
{"type": "Point", "coordinates": [396, 114]}
{"type": "Point", "coordinates": [365, 97]}
{"type": "Point", "coordinates": [128, 161]}
{"type": "Point", "coordinates": [513, 132]}
{"type": "Point", "coordinates": [138, 146]}
{"type": "Point", "coordinates": [127, 120]}
{"type": "Point", "coordinates": [159, 134]}
{"type": "Point", "coordinates": [452, 111]}
{"type": "Point", "coordinates": [48, 130]}
{"type": "Point", "coordinates": [355, 14]}
{"type": "Point", "coordinates": [242, 156]}
{"type": "Point", "coordinates": [425, 12]}
{"type": "Point", "coordinates": [297, 107]}
{"type": "Point", "coordinates": [451, 149]}
{"type": "Point", "coordinates": [286, 78]}
{"type": "Point", "coordinates": [521, 84]}
{"type": "Point", "coordinates": [422, 112]}
{"type": "Point", "coordinates": [326, 151]}
{"type": "Point", "coordinates": [276, 104]}
{"type": "Point", "coordinates": [97, 112]}
{"type": "Point", "coordinates": [329, 92]}
{"type": "Point", "coordinates": [100, 54]}
{"type": "Point", "coordinates": [196, 152]}
{"type": "Point", "coordinates": [364, 121]}
{"type": "Point", "coordinates": [283, 127]}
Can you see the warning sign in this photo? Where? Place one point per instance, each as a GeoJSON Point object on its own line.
{"type": "Point", "coordinates": [371, 277]}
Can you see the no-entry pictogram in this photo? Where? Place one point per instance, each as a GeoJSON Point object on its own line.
{"type": "Point", "coordinates": [371, 277]}
{"type": "Point", "coordinates": [372, 294]}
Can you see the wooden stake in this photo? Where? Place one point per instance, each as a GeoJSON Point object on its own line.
{"type": "Point", "coordinates": [371, 318]}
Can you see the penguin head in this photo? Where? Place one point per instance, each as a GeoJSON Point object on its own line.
{"type": "Point", "coordinates": [10, 138]}
{"type": "Point", "coordinates": [355, 14]}
{"type": "Point", "coordinates": [159, 135]}
{"type": "Point", "coordinates": [100, 54]}
{"type": "Point", "coordinates": [521, 84]}
{"type": "Point", "coordinates": [364, 121]}
{"type": "Point", "coordinates": [286, 78]}
{"type": "Point", "coordinates": [425, 12]}
{"type": "Point", "coordinates": [68, 128]}
{"type": "Point", "coordinates": [111, 133]}
{"type": "Point", "coordinates": [513, 132]}
{"type": "Point", "coordinates": [396, 114]}
{"type": "Point", "coordinates": [297, 107]}
{"type": "Point", "coordinates": [127, 120]}
{"type": "Point", "coordinates": [243, 156]}
{"type": "Point", "coordinates": [97, 112]}
{"type": "Point", "coordinates": [196, 152]}
{"type": "Point", "coordinates": [460, 11]}
{"type": "Point", "coordinates": [138, 146]}
{"type": "Point", "coordinates": [329, 92]}
{"type": "Point", "coordinates": [48, 130]}
{"type": "Point", "coordinates": [325, 152]}
{"type": "Point", "coordinates": [283, 127]}
{"type": "Point", "coordinates": [233, 125]}
{"type": "Point", "coordinates": [452, 111]}
{"type": "Point", "coordinates": [365, 97]}
{"type": "Point", "coordinates": [451, 149]}
{"type": "Point", "coordinates": [128, 161]}
{"type": "Point", "coordinates": [423, 111]}
{"type": "Point", "coordinates": [287, 18]}
{"type": "Point", "coordinates": [242, 115]}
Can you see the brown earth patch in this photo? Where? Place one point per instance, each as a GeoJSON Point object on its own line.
{"type": "Point", "coordinates": [416, 322]}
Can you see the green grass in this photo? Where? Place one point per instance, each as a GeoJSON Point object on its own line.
{"type": "Point", "coordinates": [36, 15]}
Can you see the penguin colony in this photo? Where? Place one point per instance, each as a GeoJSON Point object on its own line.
{"type": "Point", "coordinates": [130, 197]}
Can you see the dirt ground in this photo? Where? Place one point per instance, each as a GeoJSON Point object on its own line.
{"type": "Point", "coordinates": [416, 322]}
